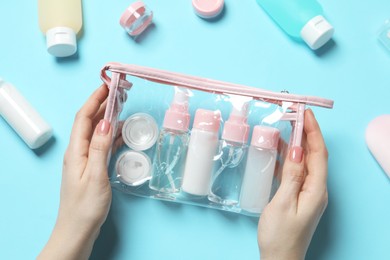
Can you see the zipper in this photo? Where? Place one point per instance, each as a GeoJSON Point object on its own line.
{"type": "Point", "coordinates": [208, 85]}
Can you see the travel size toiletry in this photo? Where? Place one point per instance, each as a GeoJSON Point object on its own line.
{"type": "Point", "coordinates": [22, 117]}
{"type": "Point", "coordinates": [136, 18]}
{"type": "Point", "coordinates": [60, 21]}
{"type": "Point", "coordinates": [229, 164]}
{"type": "Point", "coordinates": [133, 168]}
{"type": "Point", "coordinates": [301, 19]}
{"type": "Point", "coordinates": [259, 170]}
{"type": "Point", "coordinates": [171, 151]}
{"type": "Point", "coordinates": [140, 131]}
{"type": "Point", "coordinates": [208, 9]}
{"type": "Point", "coordinates": [201, 151]}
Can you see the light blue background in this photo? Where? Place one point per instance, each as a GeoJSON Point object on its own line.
{"type": "Point", "coordinates": [244, 46]}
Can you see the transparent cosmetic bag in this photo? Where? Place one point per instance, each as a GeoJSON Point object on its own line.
{"type": "Point", "coordinates": [198, 141]}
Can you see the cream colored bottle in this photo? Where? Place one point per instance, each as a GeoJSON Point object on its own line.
{"type": "Point", "coordinates": [60, 21]}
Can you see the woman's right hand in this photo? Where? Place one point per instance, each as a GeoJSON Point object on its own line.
{"type": "Point", "coordinates": [288, 222]}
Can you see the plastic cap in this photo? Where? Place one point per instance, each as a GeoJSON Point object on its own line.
{"type": "Point", "coordinates": [133, 168]}
{"type": "Point", "coordinates": [140, 131]}
{"type": "Point", "coordinates": [61, 41]}
{"type": "Point", "coordinates": [136, 18]}
{"type": "Point", "coordinates": [317, 32]}
{"type": "Point", "coordinates": [177, 116]}
{"type": "Point", "coordinates": [265, 137]}
{"type": "Point", "coordinates": [207, 120]}
{"type": "Point", "coordinates": [208, 8]}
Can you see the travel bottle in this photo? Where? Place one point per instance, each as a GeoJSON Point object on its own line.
{"type": "Point", "coordinates": [259, 169]}
{"type": "Point", "coordinates": [22, 117]}
{"type": "Point", "coordinates": [171, 151]}
{"type": "Point", "coordinates": [60, 21]}
{"type": "Point", "coordinates": [201, 151]}
{"type": "Point", "coordinates": [229, 164]}
{"type": "Point", "coordinates": [301, 19]}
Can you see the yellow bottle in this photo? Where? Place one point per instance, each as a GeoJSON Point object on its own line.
{"type": "Point", "coordinates": [60, 21]}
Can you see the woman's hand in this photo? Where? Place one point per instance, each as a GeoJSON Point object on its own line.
{"type": "Point", "coordinates": [85, 189]}
{"type": "Point", "coordinates": [288, 222]}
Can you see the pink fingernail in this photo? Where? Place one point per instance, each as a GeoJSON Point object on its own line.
{"type": "Point", "coordinates": [103, 127]}
{"type": "Point", "coordinates": [296, 154]}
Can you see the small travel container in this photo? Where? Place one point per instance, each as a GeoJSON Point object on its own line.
{"type": "Point", "coordinates": [199, 141]}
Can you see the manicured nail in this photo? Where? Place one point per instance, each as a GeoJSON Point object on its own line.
{"type": "Point", "coordinates": [296, 154]}
{"type": "Point", "coordinates": [103, 127]}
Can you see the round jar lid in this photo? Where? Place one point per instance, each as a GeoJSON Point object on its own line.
{"type": "Point", "coordinates": [133, 168]}
{"type": "Point", "coordinates": [140, 132]}
{"type": "Point", "coordinates": [208, 8]}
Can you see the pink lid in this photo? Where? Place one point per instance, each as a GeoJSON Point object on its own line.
{"type": "Point", "coordinates": [136, 12]}
{"type": "Point", "coordinates": [265, 137]}
{"type": "Point", "coordinates": [236, 129]}
{"type": "Point", "coordinates": [177, 117]}
{"type": "Point", "coordinates": [208, 8]}
{"type": "Point", "coordinates": [207, 120]}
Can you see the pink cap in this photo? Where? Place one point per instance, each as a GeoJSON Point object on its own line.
{"type": "Point", "coordinates": [236, 129]}
{"type": "Point", "coordinates": [136, 12]}
{"type": "Point", "coordinates": [207, 120]}
{"type": "Point", "coordinates": [177, 117]}
{"type": "Point", "coordinates": [208, 8]}
{"type": "Point", "coordinates": [265, 137]}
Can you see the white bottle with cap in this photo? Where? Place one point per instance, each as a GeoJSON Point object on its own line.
{"type": "Point", "coordinates": [60, 21]}
{"type": "Point", "coordinates": [301, 19]}
{"type": "Point", "coordinates": [22, 117]}
{"type": "Point", "coordinates": [201, 151]}
{"type": "Point", "coordinates": [259, 169]}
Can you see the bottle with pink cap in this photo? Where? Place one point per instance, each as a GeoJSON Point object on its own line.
{"type": "Point", "coordinates": [168, 163]}
{"type": "Point", "coordinates": [229, 165]}
{"type": "Point", "coordinates": [259, 169]}
{"type": "Point", "coordinates": [201, 151]}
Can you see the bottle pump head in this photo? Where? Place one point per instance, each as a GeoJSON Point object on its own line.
{"type": "Point", "coordinates": [61, 41]}
{"type": "Point", "coordinates": [236, 128]}
{"type": "Point", "coordinates": [177, 116]}
{"type": "Point", "coordinates": [317, 32]}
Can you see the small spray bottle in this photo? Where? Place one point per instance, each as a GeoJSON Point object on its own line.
{"type": "Point", "coordinates": [168, 163]}
{"type": "Point", "coordinates": [229, 167]}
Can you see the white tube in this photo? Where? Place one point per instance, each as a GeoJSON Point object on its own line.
{"type": "Point", "coordinates": [22, 117]}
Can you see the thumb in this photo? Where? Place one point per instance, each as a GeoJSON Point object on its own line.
{"type": "Point", "coordinates": [99, 149]}
{"type": "Point", "coordinates": [293, 175]}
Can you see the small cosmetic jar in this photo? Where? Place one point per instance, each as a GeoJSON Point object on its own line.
{"type": "Point", "coordinates": [140, 132]}
{"type": "Point", "coordinates": [133, 168]}
{"type": "Point", "coordinates": [208, 9]}
{"type": "Point", "coordinates": [136, 18]}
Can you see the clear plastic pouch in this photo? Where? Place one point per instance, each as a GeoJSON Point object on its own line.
{"type": "Point", "coordinates": [199, 141]}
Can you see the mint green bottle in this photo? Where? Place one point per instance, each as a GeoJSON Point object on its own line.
{"type": "Point", "coordinates": [301, 19]}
